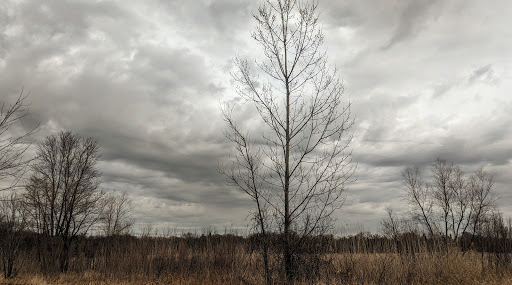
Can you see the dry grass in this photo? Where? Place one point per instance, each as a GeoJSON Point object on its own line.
{"type": "Point", "coordinates": [92, 278]}
{"type": "Point", "coordinates": [354, 268]}
{"type": "Point", "coordinates": [422, 268]}
{"type": "Point", "coordinates": [231, 260]}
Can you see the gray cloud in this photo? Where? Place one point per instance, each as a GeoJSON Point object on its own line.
{"type": "Point", "coordinates": [483, 74]}
{"type": "Point", "coordinates": [413, 16]}
{"type": "Point", "coordinates": [428, 79]}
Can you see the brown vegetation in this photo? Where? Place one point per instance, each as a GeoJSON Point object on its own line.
{"type": "Point", "coordinates": [231, 259]}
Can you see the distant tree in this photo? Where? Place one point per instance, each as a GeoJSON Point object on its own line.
{"type": "Point", "coordinates": [297, 170]}
{"type": "Point", "coordinates": [483, 201]}
{"type": "Point", "coordinates": [419, 198]}
{"type": "Point", "coordinates": [458, 201]}
{"type": "Point", "coordinates": [442, 194]}
{"type": "Point", "coordinates": [461, 199]}
{"type": "Point", "coordinates": [495, 239]}
{"type": "Point", "coordinates": [391, 225]}
{"type": "Point", "coordinates": [13, 144]}
{"type": "Point", "coordinates": [116, 214]}
{"type": "Point", "coordinates": [13, 221]}
{"type": "Point", "coordinates": [62, 194]}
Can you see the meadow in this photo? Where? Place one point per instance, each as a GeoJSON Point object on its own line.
{"type": "Point", "coordinates": [232, 259]}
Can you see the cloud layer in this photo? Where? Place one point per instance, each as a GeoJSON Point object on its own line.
{"type": "Point", "coordinates": [427, 79]}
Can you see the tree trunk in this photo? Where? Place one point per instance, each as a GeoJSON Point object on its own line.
{"type": "Point", "coordinates": [64, 255]}
{"type": "Point", "coordinates": [287, 245]}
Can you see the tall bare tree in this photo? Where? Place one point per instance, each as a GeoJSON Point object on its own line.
{"type": "Point", "coordinates": [13, 144]}
{"type": "Point", "coordinates": [301, 163]}
{"type": "Point", "coordinates": [62, 194]}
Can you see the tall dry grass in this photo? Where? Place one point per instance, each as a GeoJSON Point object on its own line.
{"type": "Point", "coordinates": [229, 259]}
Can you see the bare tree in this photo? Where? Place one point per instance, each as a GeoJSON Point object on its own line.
{"type": "Point", "coordinates": [302, 161]}
{"type": "Point", "coordinates": [13, 221]}
{"type": "Point", "coordinates": [13, 144]}
{"type": "Point", "coordinates": [441, 192]}
{"type": "Point", "coordinates": [460, 208]}
{"type": "Point", "coordinates": [116, 215]}
{"type": "Point", "coordinates": [418, 197]}
{"type": "Point", "coordinates": [391, 225]}
{"type": "Point", "coordinates": [62, 194]}
{"type": "Point", "coordinates": [244, 173]}
{"type": "Point", "coordinates": [483, 201]}
{"type": "Point", "coordinates": [457, 201]}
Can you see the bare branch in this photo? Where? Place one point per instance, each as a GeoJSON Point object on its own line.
{"type": "Point", "coordinates": [13, 144]}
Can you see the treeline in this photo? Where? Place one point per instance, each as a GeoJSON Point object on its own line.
{"type": "Point", "coordinates": [496, 238]}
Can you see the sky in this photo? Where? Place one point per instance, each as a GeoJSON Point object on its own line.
{"type": "Point", "coordinates": [426, 78]}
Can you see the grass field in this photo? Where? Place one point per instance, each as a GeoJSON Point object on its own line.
{"type": "Point", "coordinates": [160, 263]}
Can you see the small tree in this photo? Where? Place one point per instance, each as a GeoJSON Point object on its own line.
{"type": "Point", "coordinates": [245, 173]}
{"type": "Point", "coordinates": [418, 197]}
{"type": "Point", "coordinates": [483, 200]}
{"type": "Point", "coordinates": [62, 194]}
{"type": "Point", "coordinates": [457, 201]}
{"type": "Point", "coordinates": [441, 193]}
{"type": "Point", "coordinates": [391, 225]}
{"type": "Point", "coordinates": [116, 215]}
{"type": "Point", "coordinates": [298, 169]}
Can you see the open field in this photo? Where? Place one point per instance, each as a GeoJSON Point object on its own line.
{"type": "Point", "coordinates": [347, 269]}
{"type": "Point", "coordinates": [229, 259]}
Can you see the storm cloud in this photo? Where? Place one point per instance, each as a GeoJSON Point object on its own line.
{"type": "Point", "coordinates": [427, 79]}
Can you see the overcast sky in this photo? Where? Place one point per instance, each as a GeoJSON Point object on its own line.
{"type": "Point", "coordinates": [427, 79]}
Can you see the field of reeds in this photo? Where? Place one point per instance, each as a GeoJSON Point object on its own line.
{"type": "Point", "coordinates": [231, 259]}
